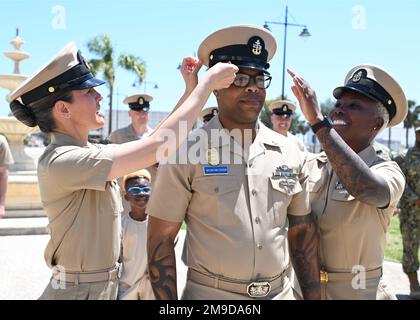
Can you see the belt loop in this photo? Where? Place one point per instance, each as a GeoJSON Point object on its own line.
{"type": "Point", "coordinates": [76, 278]}
{"type": "Point", "coordinates": [216, 282]}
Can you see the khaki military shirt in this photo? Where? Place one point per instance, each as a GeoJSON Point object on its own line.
{"type": "Point", "coordinates": [6, 157]}
{"type": "Point", "coordinates": [126, 134]}
{"type": "Point", "coordinates": [83, 208]}
{"type": "Point", "coordinates": [235, 208]}
{"type": "Point", "coordinates": [352, 232]}
{"type": "Point", "coordinates": [299, 142]}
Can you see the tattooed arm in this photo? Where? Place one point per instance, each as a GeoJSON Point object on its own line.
{"type": "Point", "coordinates": [161, 236]}
{"type": "Point", "coordinates": [304, 247]}
{"type": "Point", "coordinates": [352, 171]}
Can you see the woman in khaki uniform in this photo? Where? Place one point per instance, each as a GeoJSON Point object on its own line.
{"type": "Point", "coordinates": [353, 191]}
{"type": "Point", "coordinates": [77, 179]}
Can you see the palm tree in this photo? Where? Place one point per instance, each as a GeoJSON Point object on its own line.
{"type": "Point", "coordinates": [101, 46]}
{"type": "Point", "coordinates": [411, 119]}
{"type": "Point", "coordinates": [134, 64]}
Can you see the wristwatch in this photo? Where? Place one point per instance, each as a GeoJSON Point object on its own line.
{"type": "Point", "coordinates": [324, 123]}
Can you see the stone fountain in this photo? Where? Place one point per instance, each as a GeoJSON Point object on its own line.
{"type": "Point", "coordinates": [22, 190]}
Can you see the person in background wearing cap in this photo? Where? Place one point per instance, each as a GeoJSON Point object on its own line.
{"type": "Point", "coordinates": [6, 159]}
{"type": "Point", "coordinates": [410, 214]}
{"type": "Point", "coordinates": [238, 196]}
{"type": "Point", "coordinates": [281, 117]}
{"type": "Point", "coordinates": [208, 113]}
{"type": "Point", "coordinates": [139, 105]}
{"type": "Point", "coordinates": [77, 179]}
{"type": "Point", "coordinates": [135, 282]}
{"type": "Point", "coordinates": [353, 191]}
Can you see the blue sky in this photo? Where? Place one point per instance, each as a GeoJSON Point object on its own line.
{"type": "Point", "coordinates": [161, 32]}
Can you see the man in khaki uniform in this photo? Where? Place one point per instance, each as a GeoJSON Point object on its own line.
{"type": "Point", "coordinates": [139, 105]}
{"type": "Point", "coordinates": [281, 117]}
{"type": "Point", "coordinates": [354, 192]}
{"type": "Point", "coordinates": [237, 194]}
{"type": "Point", "coordinates": [6, 160]}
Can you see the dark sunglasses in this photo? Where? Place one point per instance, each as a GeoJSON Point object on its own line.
{"type": "Point", "coordinates": [242, 80]}
{"type": "Point", "coordinates": [135, 191]}
{"type": "Point", "coordinates": [281, 114]}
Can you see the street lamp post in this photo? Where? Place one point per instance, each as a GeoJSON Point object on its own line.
{"type": "Point", "coordinates": [305, 33]}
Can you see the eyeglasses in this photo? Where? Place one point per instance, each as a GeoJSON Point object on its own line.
{"type": "Point", "coordinates": [262, 81]}
{"type": "Point", "coordinates": [135, 191]}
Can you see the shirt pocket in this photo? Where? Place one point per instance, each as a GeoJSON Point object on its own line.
{"type": "Point", "coordinates": [216, 197]}
{"type": "Point", "coordinates": [283, 191]}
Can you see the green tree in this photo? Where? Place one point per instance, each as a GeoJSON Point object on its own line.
{"type": "Point", "coordinates": [104, 63]}
{"type": "Point", "coordinates": [411, 119]}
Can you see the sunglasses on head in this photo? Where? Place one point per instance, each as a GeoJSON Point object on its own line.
{"type": "Point", "coordinates": [135, 191]}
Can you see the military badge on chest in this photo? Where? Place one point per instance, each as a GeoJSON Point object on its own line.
{"type": "Point", "coordinates": [212, 157]}
{"type": "Point", "coordinates": [286, 176]}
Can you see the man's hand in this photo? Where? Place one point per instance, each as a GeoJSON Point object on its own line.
{"type": "Point", "coordinates": [307, 99]}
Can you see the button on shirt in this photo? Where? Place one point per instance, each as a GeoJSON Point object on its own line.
{"type": "Point", "coordinates": [83, 208]}
{"type": "Point", "coordinates": [236, 215]}
{"type": "Point", "coordinates": [352, 232]}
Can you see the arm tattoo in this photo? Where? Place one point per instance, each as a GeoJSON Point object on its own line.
{"type": "Point", "coordinates": [162, 270]}
{"type": "Point", "coordinates": [353, 173]}
{"type": "Point", "coordinates": [304, 253]}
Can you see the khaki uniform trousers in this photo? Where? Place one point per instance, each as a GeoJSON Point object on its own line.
{"type": "Point", "coordinates": [104, 290]}
{"type": "Point", "coordinates": [344, 286]}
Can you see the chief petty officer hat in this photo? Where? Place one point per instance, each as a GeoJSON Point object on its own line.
{"type": "Point", "coordinates": [280, 107]}
{"type": "Point", "coordinates": [139, 102]}
{"type": "Point", "coordinates": [244, 45]}
{"type": "Point", "coordinates": [208, 113]}
{"type": "Point", "coordinates": [66, 71]}
{"type": "Point", "coordinates": [377, 84]}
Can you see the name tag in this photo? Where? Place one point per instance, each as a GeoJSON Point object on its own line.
{"type": "Point", "coordinates": [214, 170]}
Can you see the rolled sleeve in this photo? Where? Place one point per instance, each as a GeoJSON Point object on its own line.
{"type": "Point", "coordinates": [395, 179]}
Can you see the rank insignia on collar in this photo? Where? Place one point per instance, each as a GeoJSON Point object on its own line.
{"type": "Point", "coordinates": [212, 157]}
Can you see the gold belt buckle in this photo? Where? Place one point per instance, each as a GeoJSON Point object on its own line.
{"type": "Point", "coordinates": [323, 276]}
{"type": "Point", "coordinates": [258, 289]}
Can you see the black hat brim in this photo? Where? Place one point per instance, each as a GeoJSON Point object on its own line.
{"type": "Point", "coordinates": [90, 83]}
{"type": "Point", "coordinates": [339, 91]}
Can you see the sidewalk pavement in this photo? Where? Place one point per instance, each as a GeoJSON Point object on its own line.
{"type": "Point", "coordinates": [24, 274]}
